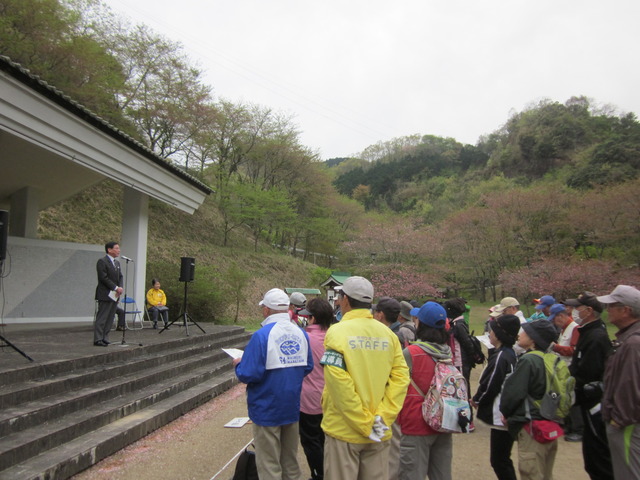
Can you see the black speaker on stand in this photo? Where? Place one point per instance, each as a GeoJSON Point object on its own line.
{"type": "Point", "coordinates": [187, 272]}
{"type": "Point", "coordinates": [187, 269]}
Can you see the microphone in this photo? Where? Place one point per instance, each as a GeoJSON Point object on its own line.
{"type": "Point", "coordinates": [126, 258]}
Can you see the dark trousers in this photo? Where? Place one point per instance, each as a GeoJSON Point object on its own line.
{"type": "Point", "coordinates": [573, 423]}
{"type": "Point", "coordinates": [121, 321]}
{"type": "Point", "coordinates": [501, 445]}
{"type": "Point", "coordinates": [595, 447]}
{"type": "Point", "coordinates": [312, 441]}
{"type": "Point", "coordinates": [104, 320]}
{"type": "Point", "coordinates": [164, 313]}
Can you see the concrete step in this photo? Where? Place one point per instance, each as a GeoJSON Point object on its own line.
{"type": "Point", "coordinates": [76, 375]}
{"type": "Point", "coordinates": [66, 460]}
{"type": "Point", "coordinates": [20, 446]}
{"type": "Point", "coordinates": [41, 371]}
{"type": "Point", "coordinates": [60, 417]}
{"type": "Point", "coordinates": [81, 391]}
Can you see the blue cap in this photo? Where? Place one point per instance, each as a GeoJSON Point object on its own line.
{"type": "Point", "coordinates": [555, 309]}
{"type": "Point", "coordinates": [432, 314]}
{"type": "Point", "coordinates": [545, 301]}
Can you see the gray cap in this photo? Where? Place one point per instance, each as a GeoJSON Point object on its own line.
{"type": "Point", "coordinates": [358, 288]}
{"type": "Point", "coordinates": [624, 294]}
{"type": "Point", "coordinates": [405, 310]}
{"type": "Point", "coordinates": [298, 299]}
{"type": "Point", "coordinates": [541, 332]}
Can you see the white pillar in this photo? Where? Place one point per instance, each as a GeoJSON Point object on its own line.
{"type": "Point", "coordinates": [24, 213]}
{"type": "Point", "coordinates": [133, 244]}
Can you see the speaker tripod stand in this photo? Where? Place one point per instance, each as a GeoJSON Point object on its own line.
{"type": "Point", "coordinates": [9, 344]}
{"type": "Point", "coordinates": [184, 316]}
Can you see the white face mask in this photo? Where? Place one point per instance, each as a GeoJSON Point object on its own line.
{"type": "Point", "coordinates": [575, 314]}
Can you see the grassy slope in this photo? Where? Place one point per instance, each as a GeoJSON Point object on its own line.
{"type": "Point", "coordinates": [85, 218]}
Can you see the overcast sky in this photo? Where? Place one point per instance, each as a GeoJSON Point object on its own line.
{"type": "Point", "coordinates": [356, 72]}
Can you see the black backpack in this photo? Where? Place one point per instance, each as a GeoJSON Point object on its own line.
{"type": "Point", "coordinates": [246, 466]}
{"type": "Point", "coordinates": [478, 354]}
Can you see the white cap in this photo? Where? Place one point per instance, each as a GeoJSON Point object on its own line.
{"type": "Point", "coordinates": [275, 299]}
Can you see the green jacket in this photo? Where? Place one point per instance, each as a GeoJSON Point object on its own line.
{"type": "Point", "coordinates": [528, 380]}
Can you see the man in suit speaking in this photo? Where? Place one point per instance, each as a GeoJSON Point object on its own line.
{"type": "Point", "coordinates": [108, 292]}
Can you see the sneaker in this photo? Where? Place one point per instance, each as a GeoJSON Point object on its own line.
{"type": "Point", "coordinates": [472, 428]}
{"type": "Point", "coordinates": [155, 326]}
{"type": "Point", "coordinates": [573, 437]}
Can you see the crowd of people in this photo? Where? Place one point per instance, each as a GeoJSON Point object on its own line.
{"type": "Point", "coordinates": [348, 382]}
{"type": "Point", "coordinates": [353, 392]}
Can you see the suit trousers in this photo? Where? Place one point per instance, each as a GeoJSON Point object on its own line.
{"type": "Point", "coordinates": [104, 320]}
{"type": "Point", "coordinates": [277, 452]}
{"type": "Point", "coordinates": [355, 461]}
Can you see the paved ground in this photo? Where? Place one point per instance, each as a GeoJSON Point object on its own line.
{"type": "Point", "coordinates": [197, 446]}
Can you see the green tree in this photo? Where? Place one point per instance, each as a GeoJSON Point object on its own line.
{"type": "Point", "coordinates": [53, 40]}
{"type": "Point", "coordinates": [236, 280]}
{"type": "Point", "coordinates": [163, 94]}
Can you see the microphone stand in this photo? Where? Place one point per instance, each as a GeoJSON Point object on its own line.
{"type": "Point", "coordinates": [126, 283]}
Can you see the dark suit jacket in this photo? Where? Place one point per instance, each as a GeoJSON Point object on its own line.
{"type": "Point", "coordinates": [108, 278]}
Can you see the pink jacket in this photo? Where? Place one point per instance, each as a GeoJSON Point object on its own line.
{"type": "Point", "coordinates": [313, 384]}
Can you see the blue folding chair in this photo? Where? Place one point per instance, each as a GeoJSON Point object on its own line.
{"type": "Point", "coordinates": [132, 311]}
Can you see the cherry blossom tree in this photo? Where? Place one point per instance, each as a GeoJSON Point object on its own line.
{"type": "Point", "coordinates": [565, 278]}
{"type": "Point", "coordinates": [403, 282]}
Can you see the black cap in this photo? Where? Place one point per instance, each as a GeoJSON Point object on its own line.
{"type": "Point", "coordinates": [390, 307]}
{"type": "Point", "coordinates": [586, 298]}
{"type": "Point", "coordinates": [506, 328]}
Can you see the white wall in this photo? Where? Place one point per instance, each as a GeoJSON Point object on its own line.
{"type": "Point", "coordinates": [46, 281]}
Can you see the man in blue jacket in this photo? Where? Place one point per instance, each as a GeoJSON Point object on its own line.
{"type": "Point", "coordinates": [273, 365]}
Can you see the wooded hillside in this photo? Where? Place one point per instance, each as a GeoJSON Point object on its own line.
{"type": "Point", "coordinates": [545, 204]}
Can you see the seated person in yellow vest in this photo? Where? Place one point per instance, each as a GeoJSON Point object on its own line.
{"type": "Point", "coordinates": [157, 303]}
